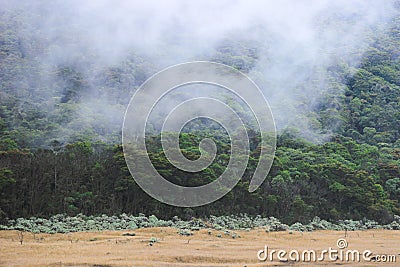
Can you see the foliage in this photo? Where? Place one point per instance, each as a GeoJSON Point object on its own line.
{"type": "Point", "coordinates": [61, 223]}
{"type": "Point", "coordinates": [58, 155]}
{"type": "Point", "coordinates": [185, 232]}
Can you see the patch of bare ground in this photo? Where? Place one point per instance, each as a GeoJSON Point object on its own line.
{"type": "Point", "coordinates": [111, 248]}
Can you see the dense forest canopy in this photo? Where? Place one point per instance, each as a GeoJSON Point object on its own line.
{"type": "Point", "coordinates": [336, 104]}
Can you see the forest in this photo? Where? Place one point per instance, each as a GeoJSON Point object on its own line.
{"type": "Point", "coordinates": [61, 120]}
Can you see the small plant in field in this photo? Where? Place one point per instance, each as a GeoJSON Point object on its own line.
{"type": "Point", "coordinates": [153, 240]}
{"type": "Point", "coordinates": [185, 232]}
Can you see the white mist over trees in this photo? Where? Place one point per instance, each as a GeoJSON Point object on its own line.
{"type": "Point", "coordinates": [84, 59]}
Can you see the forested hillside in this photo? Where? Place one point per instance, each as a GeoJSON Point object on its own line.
{"type": "Point", "coordinates": [61, 118]}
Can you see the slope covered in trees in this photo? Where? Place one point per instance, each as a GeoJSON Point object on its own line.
{"type": "Point", "coordinates": [60, 129]}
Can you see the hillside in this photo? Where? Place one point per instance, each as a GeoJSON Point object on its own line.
{"type": "Point", "coordinates": [62, 107]}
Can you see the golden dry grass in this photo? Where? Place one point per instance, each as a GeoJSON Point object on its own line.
{"type": "Point", "coordinates": [112, 249]}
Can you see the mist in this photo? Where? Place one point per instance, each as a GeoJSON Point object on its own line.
{"type": "Point", "coordinates": [290, 47]}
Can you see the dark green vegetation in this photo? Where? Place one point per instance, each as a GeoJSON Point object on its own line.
{"type": "Point", "coordinates": [57, 155]}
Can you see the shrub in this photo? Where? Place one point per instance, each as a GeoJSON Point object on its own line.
{"type": "Point", "coordinates": [61, 223]}
{"type": "Point", "coordinates": [153, 240]}
{"type": "Point", "coordinates": [300, 228]}
{"type": "Point", "coordinates": [185, 232]}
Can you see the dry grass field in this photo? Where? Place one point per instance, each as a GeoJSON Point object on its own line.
{"type": "Point", "coordinates": [202, 249]}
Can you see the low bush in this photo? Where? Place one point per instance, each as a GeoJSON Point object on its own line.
{"type": "Point", "coordinates": [61, 223]}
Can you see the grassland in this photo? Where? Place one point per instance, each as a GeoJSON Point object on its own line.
{"type": "Point", "coordinates": [204, 248]}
